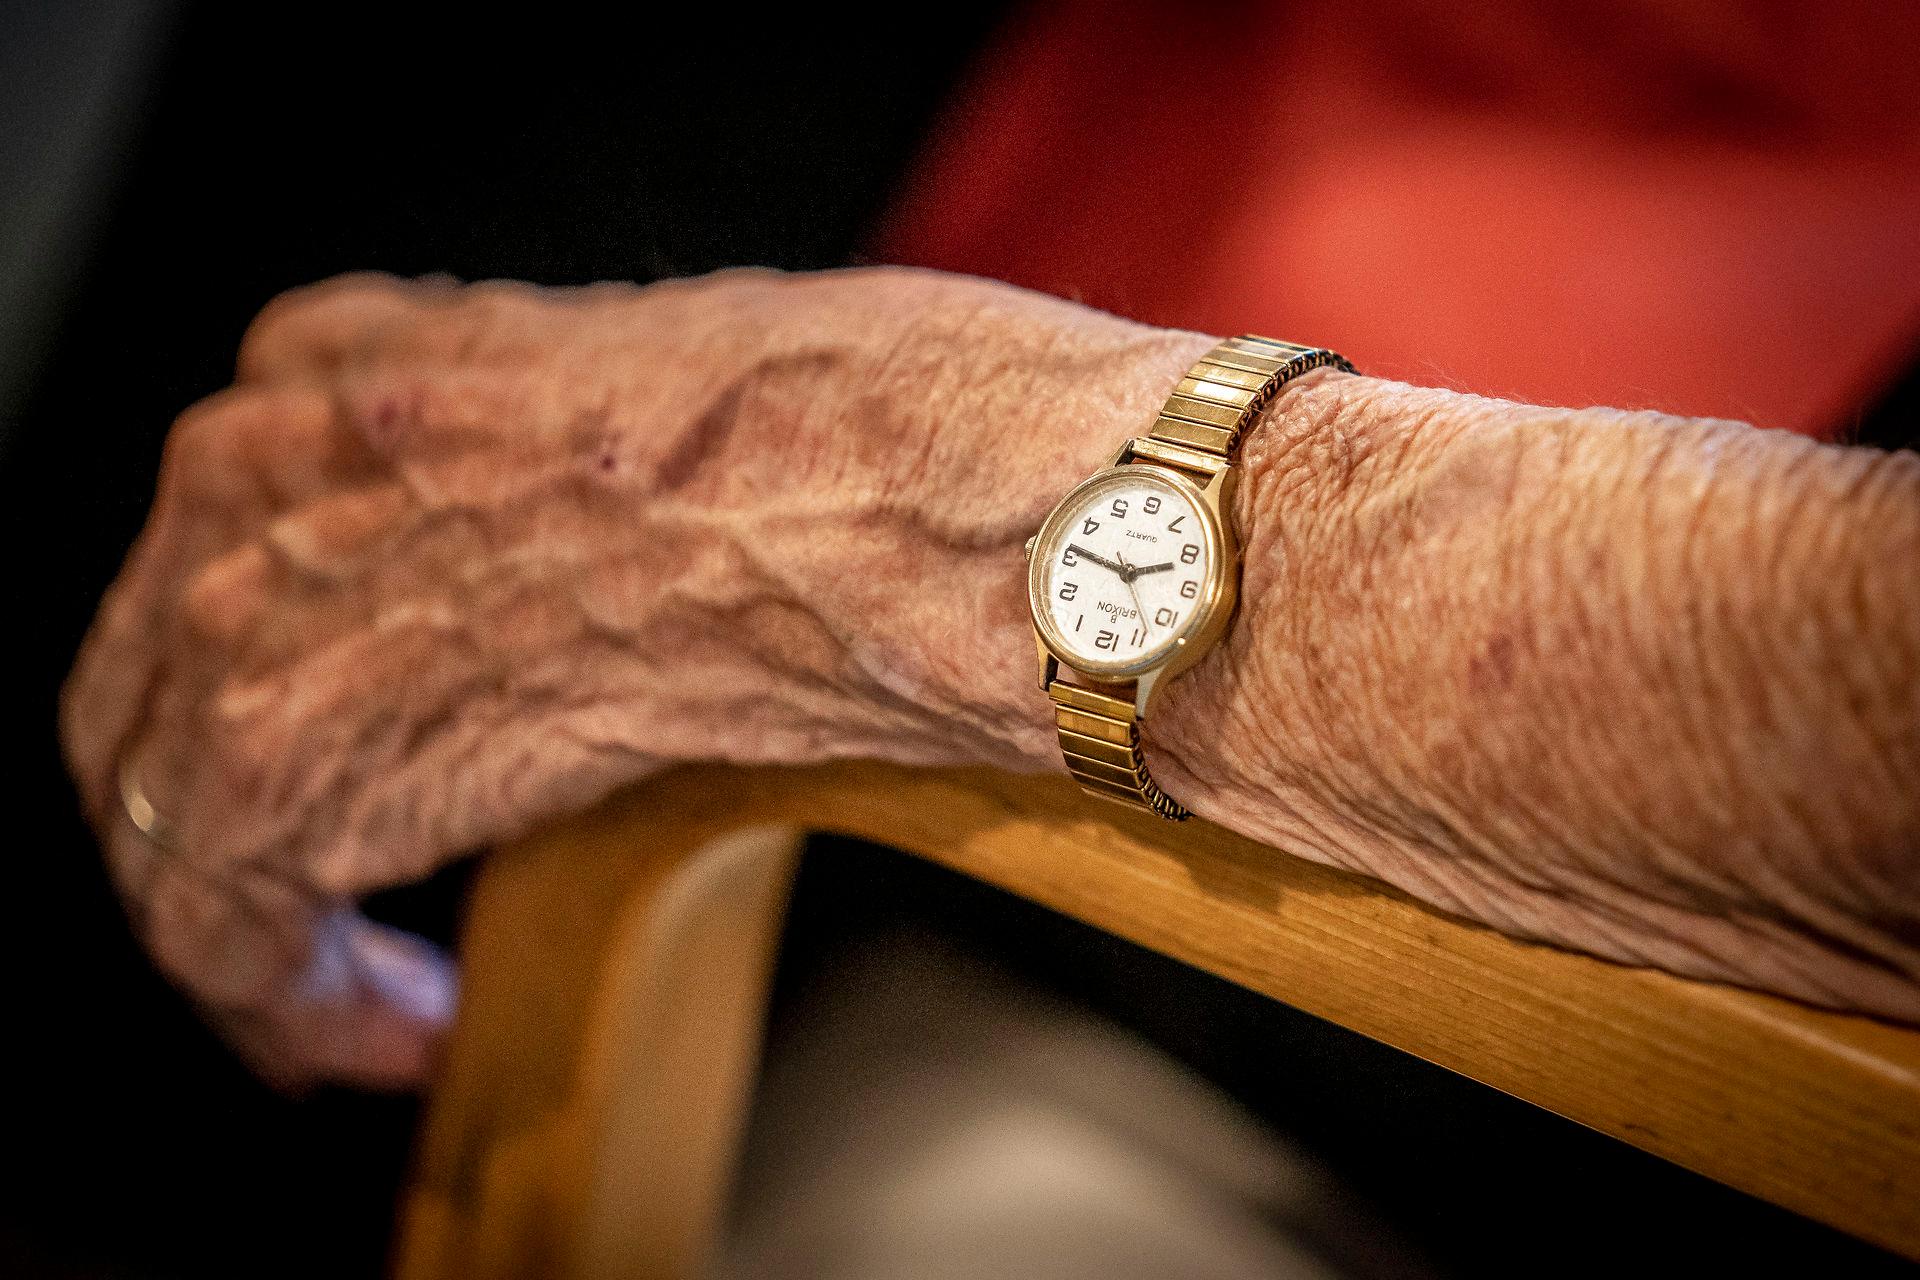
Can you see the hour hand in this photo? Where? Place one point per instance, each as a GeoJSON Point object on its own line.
{"type": "Point", "coordinates": [1099, 560]}
{"type": "Point", "coordinates": [1142, 570]}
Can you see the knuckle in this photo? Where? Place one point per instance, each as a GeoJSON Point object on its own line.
{"type": "Point", "coordinates": [315, 324]}
{"type": "Point", "coordinates": [332, 538]}
{"type": "Point", "coordinates": [221, 602]}
{"type": "Point", "coordinates": [244, 745]}
{"type": "Point", "coordinates": [250, 446]}
{"type": "Point", "coordinates": [203, 449]}
{"type": "Point", "coordinates": [478, 323]}
{"type": "Point", "coordinates": [387, 411]}
{"type": "Point", "coordinates": [499, 297]}
{"type": "Point", "coordinates": [299, 304]}
{"type": "Point", "coordinates": [229, 959]}
{"type": "Point", "coordinates": [751, 279]}
{"type": "Point", "coordinates": [408, 415]}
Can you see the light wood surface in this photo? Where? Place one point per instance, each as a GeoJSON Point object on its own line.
{"type": "Point", "coordinates": [550, 1084]}
{"type": "Point", "coordinates": [599, 1075]}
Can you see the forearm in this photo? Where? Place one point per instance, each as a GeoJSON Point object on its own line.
{"type": "Point", "coordinates": [1633, 684]}
{"type": "Point", "coordinates": [1638, 685]}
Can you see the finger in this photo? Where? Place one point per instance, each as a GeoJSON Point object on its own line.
{"type": "Point", "coordinates": [228, 934]}
{"type": "Point", "coordinates": [241, 457]}
{"type": "Point", "coordinates": [278, 588]}
{"type": "Point", "coordinates": [231, 461]}
{"type": "Point", "coordinates": [324, 329]}
{"type": "Point", "coordinates": [306, 988]}
{"type": "Point", "coordinates": [486, 438]}
{"type": "Point", "coordinates": [494, 772]}
{"type": "Point", "coordinates": [333, 538]}
{"type": "Point", "coordinates": [315, 330]}
{"type": "Point", "coordinates": [461, 424]}
{"type": "Point", "coordinates": [283, 445]}
{"type": "Point", "coordinates": [370, 1007]}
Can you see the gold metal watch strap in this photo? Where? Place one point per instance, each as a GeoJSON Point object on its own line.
{"type": "Point", "coordinates": [1201, 424]}
{"type": "Point", "coordinates": [1231, 384]}
{"type": "Point", "coordinates": [1100, 738]}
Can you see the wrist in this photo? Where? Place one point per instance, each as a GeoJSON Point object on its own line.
{"type": "Point", "coordinates": [973, 410]}
{"type": "Point", "coordinates": [1257, 734]}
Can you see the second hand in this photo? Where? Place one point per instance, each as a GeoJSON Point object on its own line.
{"type": "Point", "coordinates": [1126, 576]}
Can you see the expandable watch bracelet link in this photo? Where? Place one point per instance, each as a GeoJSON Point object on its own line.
{"type": "Point", "coordinates": [1228, 386]}
{"type": "Point", "coordinates": [1100, 739]}
{"type": "Point", "coordinates": [1207, 412]}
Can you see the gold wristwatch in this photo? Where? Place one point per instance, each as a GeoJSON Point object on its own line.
{"type": "Point", "coordinates": [1136, 573]}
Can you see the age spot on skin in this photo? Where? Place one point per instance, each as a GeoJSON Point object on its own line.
{"type": "Point", "coordinates": [383, 417]}
{"type": "Point", "coordinates": [598, 447]}
{"type": "Point", "coordinates": [607, 456]}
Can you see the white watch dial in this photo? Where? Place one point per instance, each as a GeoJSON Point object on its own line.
{"type": "Point", "coordinates": [1125, 567]}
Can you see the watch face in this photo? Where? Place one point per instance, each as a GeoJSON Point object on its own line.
{"type": "Point", "coordinates": [1126, 571]}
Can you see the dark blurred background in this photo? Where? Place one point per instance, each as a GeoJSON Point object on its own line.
{"type": "Point", "coordinates": [168, 169]}
{"type": "Point", "coordinates": [164, 171]}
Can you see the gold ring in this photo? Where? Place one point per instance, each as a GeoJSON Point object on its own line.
{"type": "Point", "coordinates": [140, 811]}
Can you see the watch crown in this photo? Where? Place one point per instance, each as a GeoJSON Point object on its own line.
{"type": "Point", "coordinates": [1030, 541]}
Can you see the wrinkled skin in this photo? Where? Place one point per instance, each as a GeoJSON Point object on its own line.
{"type": "Point", "coordinates": [446, 562]}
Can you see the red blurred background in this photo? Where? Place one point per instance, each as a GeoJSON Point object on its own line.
{"type": "Point", "coordinates": [1706, 207]}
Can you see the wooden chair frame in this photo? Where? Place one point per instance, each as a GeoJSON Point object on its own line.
{"type": "Point", "coordinates": [617, 965]}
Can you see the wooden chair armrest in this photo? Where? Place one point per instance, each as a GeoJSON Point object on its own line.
{"type": "Point", "coordinates": [590, 946]}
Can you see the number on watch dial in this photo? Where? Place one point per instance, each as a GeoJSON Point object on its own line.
{"type": "Point", "coordinates": [1124, 570]}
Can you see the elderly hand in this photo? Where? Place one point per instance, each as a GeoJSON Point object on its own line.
{"type": "Point", "coordinates": [448, 561]}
